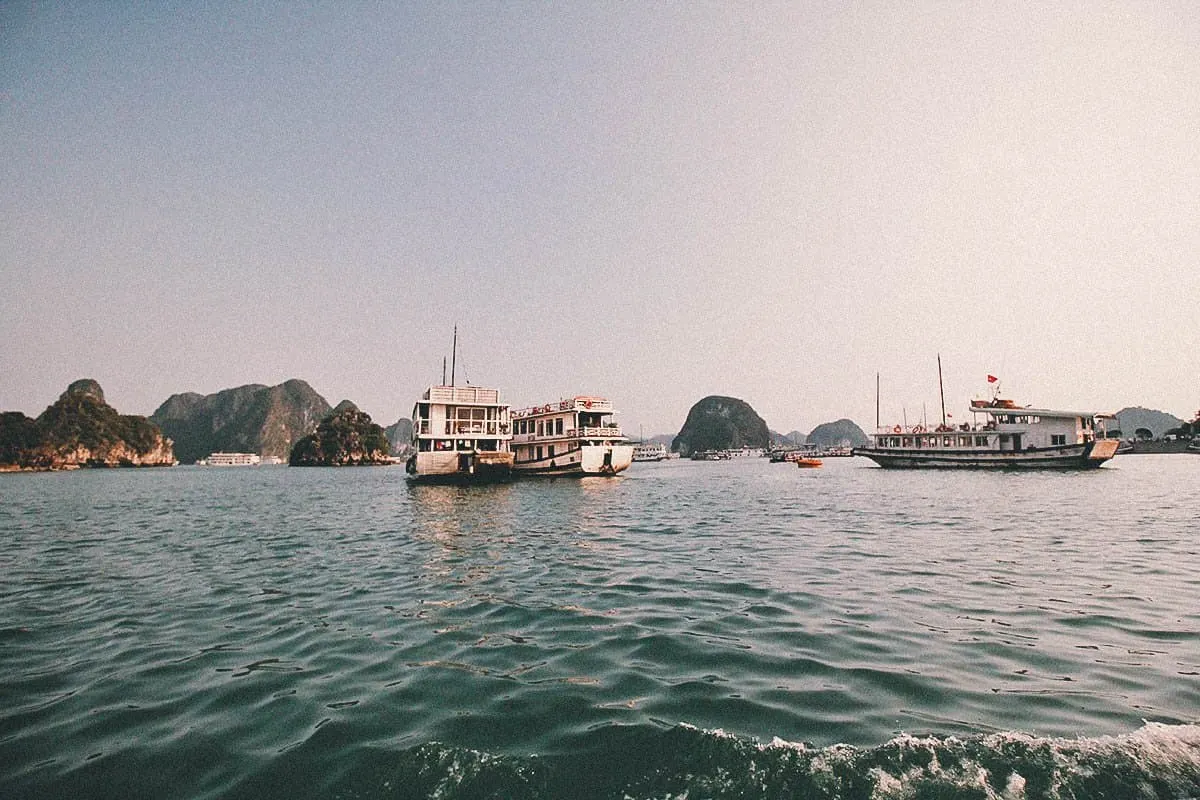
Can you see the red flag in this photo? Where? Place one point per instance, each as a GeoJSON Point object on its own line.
{"type": "Point", "coordinates": [992, 379]}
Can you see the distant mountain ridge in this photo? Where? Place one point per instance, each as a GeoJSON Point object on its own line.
{"type": "Point", "coordinates": [254, 418]}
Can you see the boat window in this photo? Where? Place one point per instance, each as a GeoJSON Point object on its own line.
{"type": "Point", "coordinates": [539, 453]}
{"type": "Point", "coordinates": [908, 442]}
{"type": "Point", "coordinates": [1058, 439]}
{"type": "Point", "coordinates": [443, 444]}
{"type": "Point", "coordinates": [551, 451]}
{"type": "Point", "coordinates": [558, 426]}
{"type": "Point", "coordinates": [964, 441]}
{"type": "Point", "coordinates": [465, 444]}
{"type": "Point", "coordinates": [541, 430]}
{"type": "Point", "coordinates": [981, 441]}
{"type": "Point", "coordinates": [947, 441]}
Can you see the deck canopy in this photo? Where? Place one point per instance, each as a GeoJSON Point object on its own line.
{"type": "Point", "coordinates": [1001, 411]}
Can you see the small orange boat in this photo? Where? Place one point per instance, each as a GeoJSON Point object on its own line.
{"type": "Point", "coordinates": [808, 462]}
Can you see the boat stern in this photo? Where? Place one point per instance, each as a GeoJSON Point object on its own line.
{"type": "Point", "coordinates": [1101, 450]}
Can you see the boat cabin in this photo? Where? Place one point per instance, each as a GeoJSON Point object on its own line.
{"type": "Point", "coordinates": [552, 430]}
{"type": "Point", "coordinates": [462, 419]}
{"type": "Point", "coordinates": [1004, 427]}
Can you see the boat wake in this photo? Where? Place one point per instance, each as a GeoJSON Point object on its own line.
{"type": "Point", "coordinates": [1157, 761]}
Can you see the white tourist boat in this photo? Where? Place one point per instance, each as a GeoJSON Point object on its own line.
{"type": "Point", "coordinates": [569, 437]}
{"type": "Point", "coordinates": [646, 451]}
{"type": "Point", "coordinates": [1003, 435]}
{"type": "Point", "coordinates": [230, 460]}
{"type": "Point", "coordinates": [460, 434]}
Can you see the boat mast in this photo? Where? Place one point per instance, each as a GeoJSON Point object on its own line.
{"type": "Point", "coordinates": [941, 391]}
{"type": "Point", "coordinates": [443, 370]}
{"type": "Point", "coordinates": [876, 401]}
{"type": "Point", "coordinates": [453, 355]}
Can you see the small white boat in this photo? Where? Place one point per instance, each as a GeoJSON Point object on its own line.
{"type": "Point", "coordinates": [649, 452]}
{"type": "Point", "coordinates": [569, 437]}
{"type": "Point", "coordinates": [230, 460]}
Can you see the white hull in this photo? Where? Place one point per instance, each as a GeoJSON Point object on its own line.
{"type": "Point", "coordinates": [582, 461]}
{"type": "Point", "coordinates": [455, 467]}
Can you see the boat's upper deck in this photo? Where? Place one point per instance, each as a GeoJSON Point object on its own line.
{"type": "Point", "coordinates": [590, 405]}
{"type": "Point", "coordinates": [462, 395]}
{"type": "Point", "coordinates": [1028, 412]}
{"type": "Point", "coordinates": [581, 417]}
{"type": "Point", "coordinates": [469, 412]}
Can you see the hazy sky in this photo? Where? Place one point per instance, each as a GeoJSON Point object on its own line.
{"type": "Point", "coordinates": [648, 201]}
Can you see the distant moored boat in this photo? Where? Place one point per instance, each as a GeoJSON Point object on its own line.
{"type": "Point", "coordinates": [230, 460]}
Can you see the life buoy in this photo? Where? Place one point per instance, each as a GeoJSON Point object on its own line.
{"type": "Point", "coordinates": [587, 403]}
{"type": "Point", "coordinates": [918, 429]}
{"type": "Point", "coordinates": [896, 429]}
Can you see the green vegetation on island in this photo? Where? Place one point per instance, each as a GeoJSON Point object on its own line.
{"type": "Point", "coordinates": [81, 430]}
{"type": "Point", "coordinates": [347, 437]}
{"type": "Point", "coordinates": [721, 423]}
{"type": "Point", "coordinates": [841, 433]}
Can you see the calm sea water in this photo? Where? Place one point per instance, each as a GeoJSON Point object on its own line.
{"type": "Point", "coordinates": [735, 629]}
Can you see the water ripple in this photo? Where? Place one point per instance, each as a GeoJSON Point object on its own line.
{"type": "Point", "coordinates": [296, 633]}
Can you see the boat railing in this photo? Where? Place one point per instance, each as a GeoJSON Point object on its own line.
{"type": "Point", "coordinates": [592, 404]}
{"type": "Point", "coordinates": [918, 429]}
{"type": "Point", "coordinates": [602, 432]}
{"type": "Point", "coordinates": [462, 394]}
{"type": "Point", "coordinates": [456, 427]}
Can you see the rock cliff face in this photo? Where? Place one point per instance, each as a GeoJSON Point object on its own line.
{"type": "Point", "coordinates": [842, 433]}
{"type": "Point", "coordinates": [344, 438]}
{"type": "Point", "coordinates": [267, 420]}
{"type": "Point", "coordinates": [718, 423]}
{"type": "Point", "coordinates": [81, 430]}
{"type": "Point", "coordinates": [1131, 420]}
{"type": "Point", "coordinates": [399, 434]}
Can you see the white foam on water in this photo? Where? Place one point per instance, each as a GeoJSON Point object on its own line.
{"type": "Point", "coordinates": [1163, 753]}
